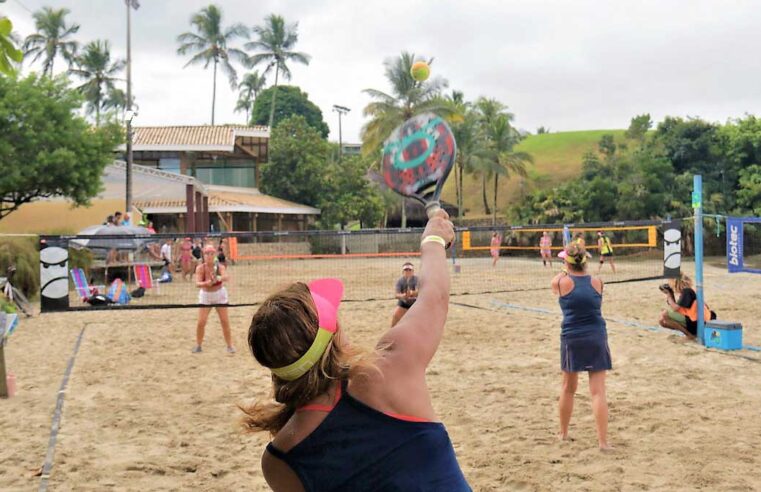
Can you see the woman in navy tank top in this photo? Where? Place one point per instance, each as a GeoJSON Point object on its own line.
{"type": "Point", "coordinates": [344, 420]}
{"type": "Point", "coordinates": [583, 340]}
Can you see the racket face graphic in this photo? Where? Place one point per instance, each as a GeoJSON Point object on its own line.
{"type": "Point", "coordinates": [418, 155]}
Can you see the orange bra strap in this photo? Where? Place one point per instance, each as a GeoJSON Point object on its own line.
{"type": "Point", "coordinates": [323, 408]}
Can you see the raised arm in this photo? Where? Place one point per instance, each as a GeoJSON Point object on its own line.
{"type": "Point", "coordinates": [414, 340]}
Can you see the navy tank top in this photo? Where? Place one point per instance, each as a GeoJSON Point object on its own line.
{"type": "Point", "coordinates": [581, 309]}
{"type": "Point", "coordinates": [358, 448]}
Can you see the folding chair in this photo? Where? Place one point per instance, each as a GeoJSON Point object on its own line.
{"type": "Point", "coordinates": [80, 282]}
{"type": "Point", "coordinates": [144, 277]}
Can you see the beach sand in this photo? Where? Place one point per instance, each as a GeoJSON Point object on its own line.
{"type": "Point", "coordinates": [142, 413]}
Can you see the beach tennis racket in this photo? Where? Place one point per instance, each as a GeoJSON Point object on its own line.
{"type": "Point", "coordinates": [417, 158]}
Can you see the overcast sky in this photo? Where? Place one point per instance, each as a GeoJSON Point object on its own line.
{"type": "Point", "coordinates": [566, 65]}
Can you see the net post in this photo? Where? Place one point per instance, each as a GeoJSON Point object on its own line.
{"type": "Point", "coordinates": [697, 204]}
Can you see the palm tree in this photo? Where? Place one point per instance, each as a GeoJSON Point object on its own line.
{"type": "Point", "coordinates": [465, 122]}
{"type": "Point", "coordinates": [99, 73]}
{"type": "Point", "coordinates": [10, 56]}
{"type": "Point", "coordinates": [53, 37]}
{"type": "Point", "coordinates": [249, 87]}
{"type": "Point", "coordinates": [408, 97]}
{"type": "Point", "coordinates": [500, 137]}
{"type": "Point", "coordinates": [275, 40]}
{"type": "Point", "coordinates": [210, 45]}
{"type": "Point", "coordinates": [116, 100]}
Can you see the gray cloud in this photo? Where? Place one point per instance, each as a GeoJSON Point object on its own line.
{"type": "Point", "coordinates": [566, 65]}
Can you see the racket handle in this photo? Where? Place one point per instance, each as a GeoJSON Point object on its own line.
{"type": "Point", "coordinates": [432, 208]}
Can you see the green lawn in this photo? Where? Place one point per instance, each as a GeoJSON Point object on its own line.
{"type": "Point", "coordinates": [557, 158]}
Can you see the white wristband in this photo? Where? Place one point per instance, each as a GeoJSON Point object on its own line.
{"type": "Point", "coordinates": [434, 239]}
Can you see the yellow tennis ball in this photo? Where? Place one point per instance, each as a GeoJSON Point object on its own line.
{"type": "Point", "coordinates": [420, 71]}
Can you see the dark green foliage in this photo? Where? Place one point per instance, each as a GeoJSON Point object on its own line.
{"type": "Point", "coordinates": [351, 196]}
{"type": "Point", "coordinates": [652, 177]}
{"type": "Point", "coordinates": [639, 126]}
{"type": "Point", "coordinates": [749, 194]}
{"type": "Point", "coordinates": [303, 169]}
{"type": "Point", "coordinates": [290, 101]}
{"type": "Point", "coordinates": [298, 155]}
{"type": "Point", "coordinates": [45, 148]}
{"type": "Point", "coordinates": [607, 145]}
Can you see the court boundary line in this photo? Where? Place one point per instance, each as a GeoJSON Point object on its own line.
{"type": "Point", "coordinates": [56, 424]}
{"type": "Point", "coordinates": [631, 323]}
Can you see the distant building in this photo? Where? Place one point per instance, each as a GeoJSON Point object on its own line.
{"type": "Point", "coordinates": [351, 149]}
{"type": "Point", "coordinates": [215, 155]}
{"type": "Point", "coordinates": [217, 165]}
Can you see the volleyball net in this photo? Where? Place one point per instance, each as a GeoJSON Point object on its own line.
{"type": "Point", "coordinates": [75, 268]}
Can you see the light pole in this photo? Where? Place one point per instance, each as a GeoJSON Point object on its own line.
{"type": "Point", "coordinates": [131, 4]}
{"type": "Point", "coordinates": [341, 110]}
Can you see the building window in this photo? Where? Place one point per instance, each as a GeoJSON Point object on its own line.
{"type": "Point", "coordinates": [170, 164]}
{"type": "Point", "coordinates": [237, 172]}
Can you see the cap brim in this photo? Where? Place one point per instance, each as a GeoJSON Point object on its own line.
{"type": "Point", "coordinates": [327, 294]}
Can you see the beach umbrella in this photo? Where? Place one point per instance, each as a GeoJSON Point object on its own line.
{"type": "Point", "coordinates": [113, 237]}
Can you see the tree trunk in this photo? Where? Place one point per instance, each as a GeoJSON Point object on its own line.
{"type": "Point", "coordinates": [461, 204]}
{"type": "Point", "coordinates": [457, 172]}
{"type": "Point", "coordinates": [214, 93]}
{"type": "Point", "coordinates": [97, 112]}
{"type": "Point", "coordinates": [487, 210]}
{"type": "Point", "coordinates": [272, 104]}
{"type": "Point", "coordinates": [496, 187]}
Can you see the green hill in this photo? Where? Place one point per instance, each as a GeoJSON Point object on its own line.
{"type": "Point", "coordinates": [557, 158]}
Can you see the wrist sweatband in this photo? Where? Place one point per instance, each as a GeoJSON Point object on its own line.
{"type": "Point", "coordinates": [434, 239]}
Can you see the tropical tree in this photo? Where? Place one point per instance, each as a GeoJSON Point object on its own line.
{"type": "Point", "coordinates": [99, 73]}
{"type": "Point", "coordinates": [9, 54]}
{"type": "Point", "coordinates": [407, 98]}
{"type": "Point", "coordinates": [249, 87]}
{"type": "Point", "coordinates": [500, 138]}
{"type": "Point", "coordinates": [275, 42]}
{"type": "Point", "coordinates": [210, 45]}
{"type": "Point", "coordinates": [53, 38]}
{"type": "Point", "coordinates": [466, 128]}
{"type": "Point", "coordinates": [116, 100]}
{"type": "Point", "coordinates": [48, 150]}
{"type": "Point", "coordinates": [291, 101]}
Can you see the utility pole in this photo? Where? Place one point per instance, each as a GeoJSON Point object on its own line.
{"type": "Point", "coordinates": [131, 4]}
{"type": "Point", "coordinates": [341, 110]}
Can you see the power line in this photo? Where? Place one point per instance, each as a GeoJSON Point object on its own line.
{"type": "Point", "coordinates": [23, 6]}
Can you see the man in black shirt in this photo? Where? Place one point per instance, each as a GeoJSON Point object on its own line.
{"type": "Point", "coordinates": [406, 292]}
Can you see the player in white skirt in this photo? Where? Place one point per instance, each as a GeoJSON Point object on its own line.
{"type": "Point", "coordinates": [210, 278]}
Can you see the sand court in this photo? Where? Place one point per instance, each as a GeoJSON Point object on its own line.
{"type": "Point", "coordinates": [143, 413]}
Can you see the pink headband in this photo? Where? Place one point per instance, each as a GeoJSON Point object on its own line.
{"type": "Point", "coordinates": [327, 294]}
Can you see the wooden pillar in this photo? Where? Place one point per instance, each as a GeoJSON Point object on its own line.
{"type": "Point", "coordinates": [199, 212]}
{"type": "Point", "coordinates": [254, 217]}
{"type": "Point", "coordinates": [190, 221]}
{"type": "Point", "coordinates": [206, 219]}
{"type": "Point", "coordinates": [230, 220]}
{"type": "Point", "coordinates": [279, 222]}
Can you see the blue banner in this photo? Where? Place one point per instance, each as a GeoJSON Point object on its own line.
{"type": "Point", "coordinates": [734, 244]}
{"type": "Point", "coordinates": [735, 238]}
